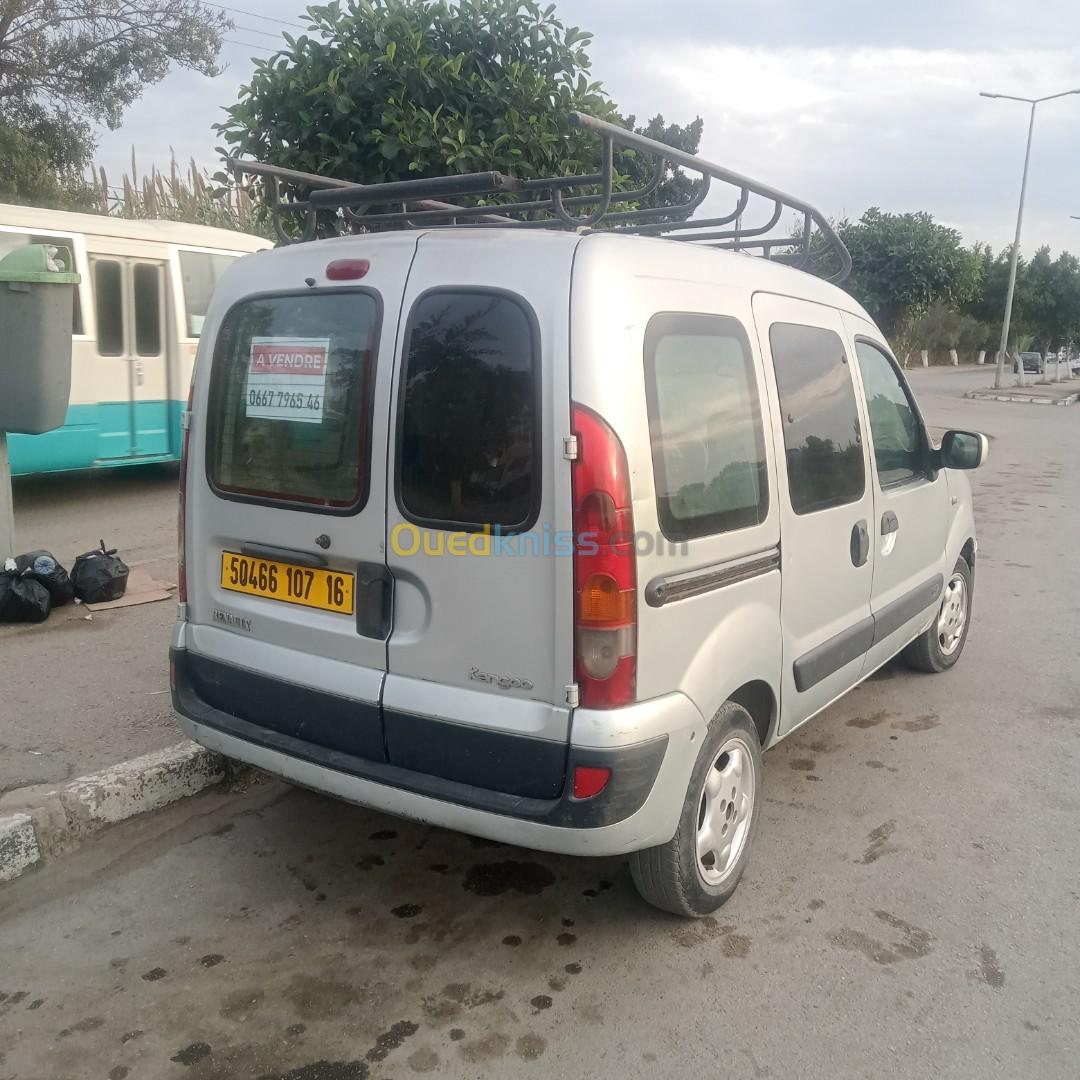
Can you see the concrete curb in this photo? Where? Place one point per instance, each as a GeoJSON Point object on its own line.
{"type": "Point", "coordinates": [18, 845]}
{"type": "Point", "coordinates": [51, 821]}
{"type": "Point", "coordinates": [984, 395]}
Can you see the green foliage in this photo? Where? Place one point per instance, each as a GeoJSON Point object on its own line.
{"type": "Point", "coordinates": [66, 65]}
{"type": "Point", "coordinates": [390, 89]}
{"type": "Point", "coordinates": [941, 328]}
{"type": "Point", "coordinates": [903, 263]}
{"type": "Point", "coordinates": [383, 90]}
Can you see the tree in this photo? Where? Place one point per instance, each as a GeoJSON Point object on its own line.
{"type": "Point", "coordinates": [903, 263]}
{"type": "Point", "coordinates": [382, 90]}
{"type": "Point", "coordinates": [67, 65]}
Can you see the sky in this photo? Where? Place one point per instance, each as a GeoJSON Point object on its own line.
{"type": "Point", "coordinates": [845, 103]}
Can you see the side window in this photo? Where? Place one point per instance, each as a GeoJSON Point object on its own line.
{"type": "Point", "coordinates": [468, 426]}
{"type": "Point", "coordinates": [820, 417]}
{"type": "Point", "coordinates": [894, 425]}
{"type": "Point", "coordinates": [708, 446]}
{"type": "Point", "coordinates": [147, 310]}
{"type": "Point", "coordinates": [109, 308]}
{"type": "Point", "coordinates": [199, 272]}
{"type": "Point", "coordinates": [9, 241]}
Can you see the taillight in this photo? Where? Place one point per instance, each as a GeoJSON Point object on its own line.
{"type": "Point", "coordinates": [181, 515]}
{"type": "Point", "coordinates": [605, 567]}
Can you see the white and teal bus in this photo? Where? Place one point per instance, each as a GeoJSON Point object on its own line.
{"type": "Point", "coordinates": [138, 314]}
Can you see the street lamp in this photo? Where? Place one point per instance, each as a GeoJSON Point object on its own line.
{"type": "Point", "coordinates": [1000, 377]}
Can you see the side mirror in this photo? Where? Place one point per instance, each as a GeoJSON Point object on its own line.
{"type": "Point", "coordinates": [963, 450]}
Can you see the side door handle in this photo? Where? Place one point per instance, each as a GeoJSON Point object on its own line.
{"type": "Point", "coordinates": [860, 543]}
{"type": "Point", "coordinates": [889, 523]}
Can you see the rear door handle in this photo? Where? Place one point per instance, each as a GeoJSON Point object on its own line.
{"type": "Point", "coordinates": [889, 523]}
{"type": "Point", "coordinates": [860, 543]}
{"type": "Point", "coordinates": [374, 600]}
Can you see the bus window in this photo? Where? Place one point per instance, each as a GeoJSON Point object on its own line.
{"type": "Point", "coordinates": [9, 241]}
{"type": "Point", "coordinates": [108, 303]}
{"type": "Point", "coordinates": [147, 310]}
{"type": "Point", "coordinates": [200, 272]}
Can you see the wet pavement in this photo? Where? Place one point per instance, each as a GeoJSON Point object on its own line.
{"type": "Point", "coordinates": [911, 907]}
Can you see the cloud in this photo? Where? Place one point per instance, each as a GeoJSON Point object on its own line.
{"type": "Point", "coordinates": [847, 104]}
{"type": "Point", "coordinates": [894, 127]}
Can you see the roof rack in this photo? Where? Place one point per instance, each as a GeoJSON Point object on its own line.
{"type": "Point", "coordinates": [545, 204]}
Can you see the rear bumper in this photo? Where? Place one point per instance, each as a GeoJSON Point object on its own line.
{"type": "Point", "coordinates": [649, 747]}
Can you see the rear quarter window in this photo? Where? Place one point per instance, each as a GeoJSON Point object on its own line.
{"type": "Point", "coordinates": [708, 444]}
{"type": "Point", "coordinates": [290, 405]}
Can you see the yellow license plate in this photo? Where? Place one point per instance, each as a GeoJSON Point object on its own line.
{"type": "Point", "coordinates": [314, 587]}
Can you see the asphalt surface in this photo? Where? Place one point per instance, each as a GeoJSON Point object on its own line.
{"type": "Point", "coordinates": [911, 907]}
{"type": "Point", "coordinates": [79, 695]}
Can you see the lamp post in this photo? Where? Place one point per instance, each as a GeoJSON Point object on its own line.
{"type": "Point", "coordinates": [999, 379]}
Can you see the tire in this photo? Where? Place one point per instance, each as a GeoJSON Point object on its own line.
{"type": "Point", "coordinates": [940, 646]}
{"type": "Point", "coordinates": [672, 877]}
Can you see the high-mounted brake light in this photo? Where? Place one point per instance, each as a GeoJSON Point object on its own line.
{"type": "Point", "coordinates": [605, 566]}
{"type": "Point", "coordinates": [347, 269]}
{"type": "Point", "coordinates": [181, 514]}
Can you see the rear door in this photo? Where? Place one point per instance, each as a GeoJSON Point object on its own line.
{"type": "Point", "coordinates": [286, 539]}
{"type": "Point", "coordinates": [826, 503]}
{"type": "Point", "coordinates": [911, 505]}
{"type": "Point", "coordinates": [476, 690]}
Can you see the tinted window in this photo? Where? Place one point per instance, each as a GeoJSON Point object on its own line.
{"type": "Point", "coordinates": [199, 272]}
{"type": "Point", "coordinates": [109, 307]}
{"type": "Point", "coordinates": [468, 413]}
{"type": "Point", "coordinates": [289, 404]}
{"type": "Point", "coordinates": [820, 417]}
{"type": "Point", "coordinates": [705, 423]}
{"type": "Point", "coordinates": [147, 310]}
{"type": "Point", "coordinates": [894, 426]}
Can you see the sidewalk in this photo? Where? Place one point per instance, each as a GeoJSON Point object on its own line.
{"type": "Point", "coordinates": [1032, 392]}
{"type": "Point", "coordinates": [82, 695]}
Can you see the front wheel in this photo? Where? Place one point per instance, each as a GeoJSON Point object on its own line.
{"type": "Point", "coordinates": [700, 866]}
{"type": "Point", "coordinates": [940, 646]}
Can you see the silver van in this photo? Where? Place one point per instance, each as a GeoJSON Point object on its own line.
{"type": "Point", "coordinates": [546, 535]}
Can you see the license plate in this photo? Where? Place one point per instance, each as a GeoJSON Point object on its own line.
{"type": "Point", "coordinates": [313, 587]}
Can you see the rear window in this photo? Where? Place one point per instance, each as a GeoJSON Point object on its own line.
{"type": "Point", "coordinates": [468, 423]}
{"type": "Point", "coordinates": [289, 411]}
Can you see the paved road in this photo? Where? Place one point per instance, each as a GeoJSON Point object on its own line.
{"type": "Point", "coordinates": [80, 695]}
{"type": "Point", "coordinates": [911, 909]}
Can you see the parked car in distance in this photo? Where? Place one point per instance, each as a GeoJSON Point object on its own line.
{"type": "Point", "coordinates": [1032, 361]}
{"type": "Point", "coordinates": [486, 527]}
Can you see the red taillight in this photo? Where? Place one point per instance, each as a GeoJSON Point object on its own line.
{"type": "Point", "coordinates": [590, 780]}
{"type": "Point", "coordinates": [181, 515]}
{"type": "Point", "coordinates": [347, 269]}
{"type": "Point", "coordinates": [605, 567]}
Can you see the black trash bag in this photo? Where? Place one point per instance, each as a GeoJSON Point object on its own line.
{"type": "Point", "coordinates": [43, 566]}
{"type": "Point", "coordinates": [99, 576]}
{"type": "Point", "coordinates": [22, 599]}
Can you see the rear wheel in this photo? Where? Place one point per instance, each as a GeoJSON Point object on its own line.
{"type": "Point", "coordinates": [940, 646]}
{"type": "Point", "coordinates": [700, 866]}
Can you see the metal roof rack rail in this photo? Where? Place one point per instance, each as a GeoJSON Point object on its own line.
{"type": "Point", "coordinates": [542, 204]}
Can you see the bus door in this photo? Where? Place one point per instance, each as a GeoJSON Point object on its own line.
{"type": "Point", "coordinates": [133, 399]}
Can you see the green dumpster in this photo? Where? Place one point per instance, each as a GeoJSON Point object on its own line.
{"type": "Point", "coordinates": [37, 294]}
